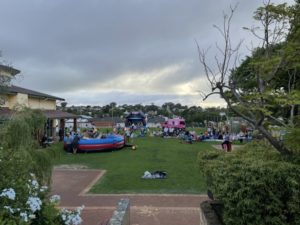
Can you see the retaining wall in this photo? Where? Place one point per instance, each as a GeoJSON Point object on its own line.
{"type": "Point", "coordinates": [208, 215]}
{"type": "Point", "coordinates": [121, 215]}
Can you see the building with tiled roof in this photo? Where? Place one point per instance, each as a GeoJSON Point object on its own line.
{"type": "Point", "coordinates": [14, 97]}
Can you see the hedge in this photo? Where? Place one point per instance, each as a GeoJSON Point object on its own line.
{"type": "Point", "coordinates": [256, 185]}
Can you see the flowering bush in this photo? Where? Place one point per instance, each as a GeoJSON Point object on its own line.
{"type": "Point", "coordinates": [8, 193]}
{"type": "Point", "coordinates": [24, 171]}
{"type": "Point", "coordinates": [19, 207]}
{"type": "Point", "coordinates": [71, 217]}
{"type": "Point", "coordinates": [35, 209]}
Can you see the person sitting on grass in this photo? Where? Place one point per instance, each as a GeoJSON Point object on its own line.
{"type": "Point", "coordinates": [188, 137]}
{"type": "Point", "coordinates": [44, 141]}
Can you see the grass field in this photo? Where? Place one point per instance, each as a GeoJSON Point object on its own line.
{"type": "Point", "coordinates": [125, 167]}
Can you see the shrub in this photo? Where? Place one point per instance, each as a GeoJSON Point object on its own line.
{"type": "Point", "coordinates": [25, 171]}
{"type": "Point", "coordinates": [256, 185]}
{"type": "Point", "coordinates": [292, 140]}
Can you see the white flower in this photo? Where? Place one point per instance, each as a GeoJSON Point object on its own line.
{"type": "Point", "coordinates": [76, 219]}
{"type": "Point", "coordinates": [9, 193]}
{"type": "Point", "coordinates": [31, 216]}
{"type": "Point", "coordinates": [10, 209]}
{"type": "Point", "coordinates": [33, 187]}
{"type": "Point", "coordinates": [34, 203]}
{"type": "Point", "coordinates": [64, 217]}
{"type": "Point", "coordinates": [43, 188]}
{"type": "Point", "coordinates": [79, 209]}
{"type": "Point", "coordinates": [24, 216]}
{"type": "Point", "coordinates": [55, 199]}
{"type": "Point", "coordinates": [35, 184]}
{"type": "Point", "coordinates": [71, 217]}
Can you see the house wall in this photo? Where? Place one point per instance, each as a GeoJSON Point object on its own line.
{"type": "Point", "coordinates": [6, 73]}
{"type": "Point", "coordinates": [13, 100]}
{"type": "Point", "coordinates": [35, 103]}
{"type": "Point", "coordinates": [4, 101]}
{"type": "Point", "coordinates": [23, 100]}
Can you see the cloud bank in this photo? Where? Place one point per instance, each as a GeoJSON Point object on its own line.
{"type": "Point", "coordinates": [133, 51]}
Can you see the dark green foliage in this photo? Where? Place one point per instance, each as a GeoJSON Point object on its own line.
{"type": "Point", "coordinates": [256, 185]}
{"type": "Point", "coordinates": [193, 115]}
{"type": "Point", "coordinates": [266, 86]}
{"type": "Point", "coordinates": [292, 140]}
{"type": "Point", "coordinates": [23, 130]}
{"type": "Point", "coordinates": [48, 216]}
{"type": "Point", "coordinates": [16, 134]}
{"type": "Point", "coordinates": [18, 138]}
{"type": "Point", "coordinates": [35, 120]}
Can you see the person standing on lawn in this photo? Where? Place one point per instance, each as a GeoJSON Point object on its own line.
{"type": "Point", "coordinates": [75, 143]}
{"type": "Point", "coordinates": [226, 142]}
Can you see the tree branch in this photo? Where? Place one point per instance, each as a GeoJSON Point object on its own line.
{"type": "Point", "coordinates": [212, 93]}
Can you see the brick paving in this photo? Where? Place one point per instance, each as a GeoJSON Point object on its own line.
{"type": "Point", "coordinates": [146, 209]}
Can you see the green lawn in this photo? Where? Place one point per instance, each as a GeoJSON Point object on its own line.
{"type": "Point", "coordinates": [125, 167]}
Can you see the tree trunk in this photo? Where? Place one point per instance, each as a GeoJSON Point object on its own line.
{"type": "Point", "coordinates": [292, 112]}
{"type": "Point", "coordinates": [277, 144]}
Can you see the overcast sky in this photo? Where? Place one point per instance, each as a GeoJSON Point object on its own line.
{"type": "Point", "coordinates": [93, 52]}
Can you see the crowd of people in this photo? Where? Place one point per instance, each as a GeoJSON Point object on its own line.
{"type": "Point", "coordinates": [134, 130]}
{"type": "Point", "coordinates": [210, 134]}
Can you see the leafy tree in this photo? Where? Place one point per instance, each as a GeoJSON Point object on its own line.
{"type": "Point", "coordinates": [63, 105]}
{"type": "Point", "coordinates": [252, 96]}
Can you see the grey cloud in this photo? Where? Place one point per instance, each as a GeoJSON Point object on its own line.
{"type": "Point", "coordinates": [66, 45]}
{"type": "Point", "coordinates": [126, 98]}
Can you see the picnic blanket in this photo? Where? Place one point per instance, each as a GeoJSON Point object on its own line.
{"type": "Point", "coordinates": [155, 175]}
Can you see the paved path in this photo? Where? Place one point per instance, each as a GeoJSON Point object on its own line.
{"type": "Point", "coordinates": [146, 209]}
{"type": "Point", "coordinates": [234, 147]}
